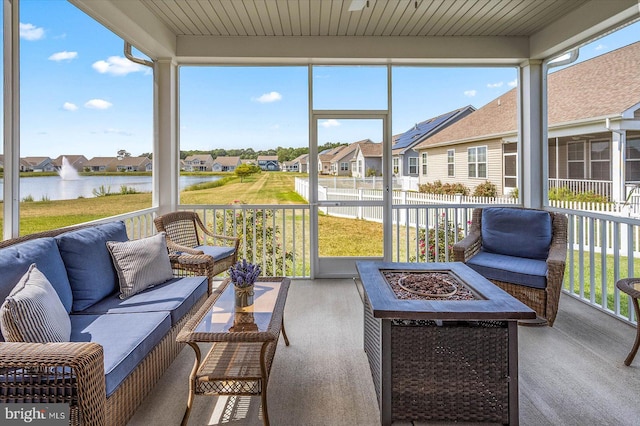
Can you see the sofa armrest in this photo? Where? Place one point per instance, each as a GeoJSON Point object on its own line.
{"type": "Point", "coordinates": [55, 373]}
{"type": "Point", "coordinates": [185, 264]}
{"type": "Point", "coordinates": [468, 247]}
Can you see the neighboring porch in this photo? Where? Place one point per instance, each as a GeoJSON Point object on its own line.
{"type": "Point", "coordinates": [572, 373]}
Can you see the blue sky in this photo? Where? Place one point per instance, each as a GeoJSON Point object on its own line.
{"type": "Point", "coordinates": [81, 96]}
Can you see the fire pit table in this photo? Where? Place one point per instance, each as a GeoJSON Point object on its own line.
{"type": "Point", "coordinates": [442, 343]}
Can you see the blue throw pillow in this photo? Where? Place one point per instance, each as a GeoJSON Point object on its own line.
{"type": "Point", "coordinates": [88, 262]}
{"type": "Point", "coordinates": [516, 232]}
{"type": "Point", "coordinates": [16, 259]}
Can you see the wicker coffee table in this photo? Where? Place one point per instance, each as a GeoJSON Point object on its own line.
{"type": "Point", "coordinates": [244, 342]}
{"type": "Point", "coordinates": [434, 358]}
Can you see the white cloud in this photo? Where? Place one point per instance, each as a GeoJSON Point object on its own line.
{"type": "Point", "coordinates": [600, 47]}
{"type": "Point", "coordinates": [495, 85]}
{"type": "Point", "coordinates": [117, 65]}
{"type": "Point", "coordinates": [63, 56]}
{"type": "Point", "coordinates": [68, 106]}
{"type": "Point", "coordinates": [513, 83]}
{"type": "Point", "coordinates": [470, 93]}
{"type": "Point", "coordinates": [116, 132]}
{"type": "Point", "coordinates": [268, 97]}
{"type": "Point", "coordinates": [31, 32]}
{"type": "Point", "coordinates": [274, 127]}
{"type": "Point", "coordinates": [98, 104]}
{"type": "Point", "coordinates": [330, 123]}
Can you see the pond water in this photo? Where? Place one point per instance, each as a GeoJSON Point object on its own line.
{"type": "Point", "coordinates": [55, 188]}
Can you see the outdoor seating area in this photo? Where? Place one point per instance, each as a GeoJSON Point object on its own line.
{"type": "Point", "coordinates": [571, 373]}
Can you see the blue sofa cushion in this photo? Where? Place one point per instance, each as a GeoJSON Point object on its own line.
{"type": "Point", "coordinates": [217, 252]}
{"type": "Point", "coordinates": [516, 232]}
{"type": "Point", "coordinates": [176, 296]}
{"type": "Point", "coordinates": [515, 270]}
{"type": "Point", "coordinates": [126, 339]}
{"type": "Point", "coordinates": [16, 259]}
{"type": "Point", "coordinates": [88, 262]}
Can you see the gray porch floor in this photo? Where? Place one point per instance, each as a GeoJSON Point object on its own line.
{"type": "Point", "coordinates": [571, 374]}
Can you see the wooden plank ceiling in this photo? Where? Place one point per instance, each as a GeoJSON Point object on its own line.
{"type": "Point", "coordinates": [378, 18]}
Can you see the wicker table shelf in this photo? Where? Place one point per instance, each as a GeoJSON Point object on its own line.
{"type": "Point", "coordinates": [442, 360]}
{"type": "Point", "coordinates": [244, 342]}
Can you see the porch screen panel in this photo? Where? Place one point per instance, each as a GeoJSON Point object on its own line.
{"type": "Point", "coordinates": [600, 160]}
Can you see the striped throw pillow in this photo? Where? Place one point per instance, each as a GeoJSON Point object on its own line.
{"type": "Point", "coordinates": [140, 263]}
{"type": "Point", "coordinates": [33, 311]}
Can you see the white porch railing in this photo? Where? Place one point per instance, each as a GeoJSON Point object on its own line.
{"type": "Point", "coordinates": [600, 187]}
{"type": "Point", "coordinates": [603, 248]}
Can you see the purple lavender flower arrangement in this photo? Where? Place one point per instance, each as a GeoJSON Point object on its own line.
{"type": "Point", "coordinates": [244, 274]}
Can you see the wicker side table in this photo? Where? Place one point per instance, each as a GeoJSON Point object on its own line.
{"type": "Point", "coordinates": [244, 342]}
{"type": "Point", "coordinates": [631, 286]}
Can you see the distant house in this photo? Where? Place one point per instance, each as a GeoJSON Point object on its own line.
{"type": "Point", "coordinates": [225, 164]}
{"type": "Point", "coordinates": [593, 130]}
{"type": "Point", "coordinates": [302, 161]}
{"type": "Point", "coordinates": [367, 160]}
{"type": "Point", "coordinates": [38, 164]}
{"type": "Point", "coordinates": [101, 164]}
{"type": "Point", "coordinates": [404, 156]}
{"type": "Point", "coordinates": [343, 159]}
{"type": "Point", "coordinates": [133, 164]}
{"type": "Point", "coordinates": [268, 162]}
{"type": "Point", "coordinates": [290, 166]}
{"type": "Point", "coordinates": [77, 161]}
{"type": "Point", "coordinates": [198, 163]}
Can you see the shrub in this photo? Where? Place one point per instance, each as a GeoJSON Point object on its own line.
{"type": "Point", "coordinates": [565, 194]}
{"type": "Point", "coordinates": [439, 188]}
{"type": "Point", "coordinates": [371, 172]}
{"type": "Point", "coordinates": [438, 243]}
{"type": "Point", "coordinates": [262, 236]}
{"type": "Point", "coordinates": [486, 189]}
{"type": "Point", "coordinates": [514, 193]}
{"type": "Point", "coordinates": [101, 191]}
{"type": "Point", "coordinates": [28, 199]}
{"type": "Point", "coordinates": [125, 190]}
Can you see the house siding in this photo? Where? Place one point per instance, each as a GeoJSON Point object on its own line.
{"type": "Point", "coordinates": [437, 165]}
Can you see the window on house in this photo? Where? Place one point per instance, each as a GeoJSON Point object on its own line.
{"type": "Point", "coordinates": [360, 166]}
{"type": "Point", "coordinates": [396, 165]}
{"type": "Point", "coordinates": [510, 152]}
{"type": "Point", "coordinates": [424, 163]}
{"type": "Point", "coordinates": [632, 169]}
{"type": "Point", "coordinates": [451, 164]}
{"type": "Point", "coordinates": [344, 167]}
{"type": "Point", "coordinates": [477, 161]}
{"type": "Point", "coordinates": [600, 160]}
{"type": "Point", "coordinates": [413, 165]}
{"type": "Point", "coordinates": [575, 160]}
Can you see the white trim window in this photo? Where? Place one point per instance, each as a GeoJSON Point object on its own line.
{"type": "Point", "coordinates": [413, 165]}
{"type": "Point", "coordinates": [424, 163]}
{"type": "Point", "coordinates": [632, 164]}
{"type": "Point", "coordinates": [510, 172]}
{"type": "Point", "coordinates": [477, 161]}
{"type": "Point", "coordinates": [451, 162]}
{"type": "Point", "coordinates": [396, 165]}
{"type": "Point", "coordinates": [600, 160]}
{"type": "Point", "coordinates": [575, 160]}
{"type": "Point", "coordinates": [344, 166]}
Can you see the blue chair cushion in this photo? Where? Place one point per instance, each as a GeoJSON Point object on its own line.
{"type": "Point", "coordinates": [16, 259]}
{"type": "Point", "coordinates": [516, 232]}
{"type": "Point", "coordinates": [510, 269]}
{"type": "Point", "coordinates": [217, 252]}
{"type": "Point", "coordinates": [176, 296]}
{"type": "Point", "coordinates": [126, 339]}
{"type": "Point", "coordinates": [88, 262]}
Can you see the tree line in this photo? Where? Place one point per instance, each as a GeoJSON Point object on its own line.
{"type": "Point", "coordinates": [284, 154]}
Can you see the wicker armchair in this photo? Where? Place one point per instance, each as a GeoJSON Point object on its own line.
{"type": "Point", "coordinates": [193, 247]}
{"type": "Point", "coordinates": [543, 300]}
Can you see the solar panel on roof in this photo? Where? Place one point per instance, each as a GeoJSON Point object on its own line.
{"type": "Point", "coordinates": [420, 130]}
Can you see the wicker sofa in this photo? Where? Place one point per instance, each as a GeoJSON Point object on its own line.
{"type": "Point", "coordinates": [119, 348]}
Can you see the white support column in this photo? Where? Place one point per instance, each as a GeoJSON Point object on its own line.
{"type": "Point", "coordinates": [166, 146]}
{"type": "Point", "coordinates": [11, 101]}
{"type": "Point", "coordinates": [533, 133]}
{"type": "Point", "coordinates": [618, 156]}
